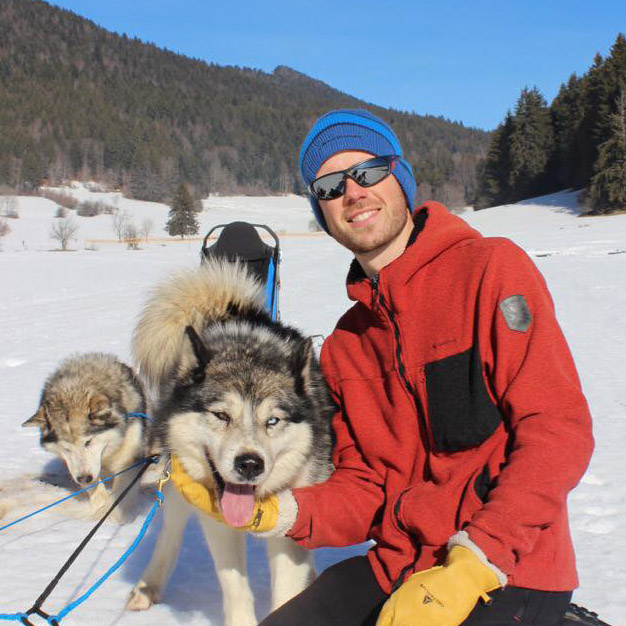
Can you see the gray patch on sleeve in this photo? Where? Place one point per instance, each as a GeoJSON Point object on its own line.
{"type": "Point", "coordinates": [516, 313]}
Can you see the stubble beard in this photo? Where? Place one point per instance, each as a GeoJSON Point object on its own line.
{"type": "Point", "coordinates": [361, 244]}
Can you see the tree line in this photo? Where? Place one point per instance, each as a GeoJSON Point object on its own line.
{"type": "Point", "coordinates": [579, 141]}
{"type": "Point", "coordinates": [79, 102]}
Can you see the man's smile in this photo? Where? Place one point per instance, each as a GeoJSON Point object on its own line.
{"type": "Point", "coordinates": [362, 216]}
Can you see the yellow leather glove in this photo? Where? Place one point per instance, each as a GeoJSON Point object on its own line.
{"type": "Point", "coordinates": [265, 513]}
{"type": "Point", "coordinates": [194, 492]}
{"type": "Point", "coordinates": [265, 516]}
{"type": "Point", "coordinates": [441, 596]}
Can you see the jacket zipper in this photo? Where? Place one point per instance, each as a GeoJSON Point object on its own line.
{"type": "Point", "coordinates": [379, 302]}
{"type": "Point", "coordinates": [418, 548]}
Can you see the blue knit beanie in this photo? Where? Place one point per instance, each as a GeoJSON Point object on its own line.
{"type": "Point", "coordinates": [352, 129]}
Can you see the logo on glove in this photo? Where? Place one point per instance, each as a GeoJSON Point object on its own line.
{"type": "Point", "coordinates": [429, 597]}
{"type": "Point", "coordinates": [256, 522]}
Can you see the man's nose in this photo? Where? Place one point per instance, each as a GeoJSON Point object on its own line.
{"type": "Point", "coordinates": [353, 191]}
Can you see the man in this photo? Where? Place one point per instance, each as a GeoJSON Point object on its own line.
{"type": "Point", "coordinates": [461, 425]}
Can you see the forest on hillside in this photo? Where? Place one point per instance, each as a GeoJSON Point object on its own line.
{"type": "Point", "coordinates": [79, 102]}
{"type": "Point", "coordinates": [578, 141]}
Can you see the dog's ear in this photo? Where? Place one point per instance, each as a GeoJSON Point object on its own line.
{"type": "Point", "coordinates": [203, 354]}
{"type": "Point", "coordinates": [301, 362]}
{"type": "Point", "coordinates": [38, 419]}
{"type": "Point", "coordinates": [98, 404]}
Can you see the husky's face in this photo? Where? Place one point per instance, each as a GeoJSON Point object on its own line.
{"type": "Point", "coordinates": [80, 429]}
{"type": "Point", "coordinates": [243, 429]}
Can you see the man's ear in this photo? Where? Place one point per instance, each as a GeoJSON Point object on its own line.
{"type": "Point", "coordinates": [38, 419]}
{"type": "Point", "coordinates": [202, 353]}
{"type": "Point", "coordinates": [301, 360]}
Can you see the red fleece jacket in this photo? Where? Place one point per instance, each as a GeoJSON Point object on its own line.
{"type": "Point", "coordinates": [460, 408]}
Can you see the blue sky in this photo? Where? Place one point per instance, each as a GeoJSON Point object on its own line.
{"type": "Point", "coordinates": [465, 60]}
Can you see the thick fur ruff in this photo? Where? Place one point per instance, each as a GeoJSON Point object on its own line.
{"type": "Point", "coordinates": [191, 297]}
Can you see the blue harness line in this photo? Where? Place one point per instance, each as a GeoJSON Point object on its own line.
{"type": "Point", "coordinates": [72, 495]}
{"type": "Point", "coordinates": [13, 617]}
{"type": "Point", "coordinates": [54, 620]}
{"type": "Point", "coordinates": [77, 493]}
{"type": "Point", "coordinates": [133, 546]}
{"type": "Point", "coordinates": [142, 415]}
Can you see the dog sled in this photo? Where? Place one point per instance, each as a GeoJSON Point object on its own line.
{"type": "Point", "coordinates": [241, 241]}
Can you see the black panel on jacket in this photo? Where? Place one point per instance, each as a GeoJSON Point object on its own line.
{"type": "Point", "coordinates": [462, 414]}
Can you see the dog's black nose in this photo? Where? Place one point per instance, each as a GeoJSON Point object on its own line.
{"type": "Point", "coordinates": [85, 479]}
{"type": "Point", "coordinates": [249, 466]}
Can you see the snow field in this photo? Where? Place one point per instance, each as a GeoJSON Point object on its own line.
{"type": "Point", "coordinates": [53, 304]}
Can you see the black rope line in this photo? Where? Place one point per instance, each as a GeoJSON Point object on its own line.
{"type": "Point", "coordinates": [36, 608]}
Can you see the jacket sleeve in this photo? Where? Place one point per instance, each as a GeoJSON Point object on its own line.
{"type": "Point", "coordinates": [534, 382]}
{"type": "Point", "coordinates": [342, 510]}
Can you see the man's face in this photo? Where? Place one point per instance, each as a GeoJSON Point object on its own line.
{"type": "Point", "coordinates": [372, 221]}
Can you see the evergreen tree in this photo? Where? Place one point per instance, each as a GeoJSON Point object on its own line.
{"type": "Point", "coordinates": [182, 217]}
{"type": "Point", "coordinates": [493, 177]}
{"type": "Point", "coordinates": [532, 142]}
{"type": "Point", "coordinates": [608, 186]}
{"type": "Point", "coordinates": [595, 94]}
{"type": "Point", "coordinates": [615, 79]}
{"type": "Point", "coordinates": [567, 111]}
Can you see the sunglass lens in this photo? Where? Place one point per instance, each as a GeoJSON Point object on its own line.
{"type": "Point", "coordinates": [329, 187]}
{"type": "Point", "coordinates": [365, 174]}
{"type": "Point", "coordinates": [368, 175]}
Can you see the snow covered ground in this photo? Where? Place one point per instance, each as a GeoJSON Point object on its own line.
{"type": "Point", "coordinates": [53, 304]}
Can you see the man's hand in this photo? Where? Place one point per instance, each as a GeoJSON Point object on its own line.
{"type": "Point", "coordinates": [265, 516]}
{"type": "Point", "coordinates": [441, 596]}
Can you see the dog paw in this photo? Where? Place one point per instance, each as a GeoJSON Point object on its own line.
{"type": "Point", "coordinates": [142, 597]}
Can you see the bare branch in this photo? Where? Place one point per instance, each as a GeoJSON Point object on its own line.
{"type": "Point", "coordinates": [63, 230]}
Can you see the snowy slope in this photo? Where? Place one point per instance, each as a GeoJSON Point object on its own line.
{"type": "Point", "coordinates": [53, 304]}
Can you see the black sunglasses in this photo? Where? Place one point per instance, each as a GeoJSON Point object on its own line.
{"type": "Point", "coordinates": [364, 174]}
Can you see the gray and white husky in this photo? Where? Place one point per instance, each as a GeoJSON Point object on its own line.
{"type": "Point", "coordinates": [85, 417]}
{"type": "Point", "coordinates": [244, 408]}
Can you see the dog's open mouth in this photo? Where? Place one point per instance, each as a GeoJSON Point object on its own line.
{"type": "Point", "coordinates": [236, 501]}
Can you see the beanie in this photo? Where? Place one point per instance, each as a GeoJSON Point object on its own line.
{"type": "Point", "coordinates": [352, 129]}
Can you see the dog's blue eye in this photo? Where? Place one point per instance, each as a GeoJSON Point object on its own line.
{"type": "Point", "coordinates": [272, 421]}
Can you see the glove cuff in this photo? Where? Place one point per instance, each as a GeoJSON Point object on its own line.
{"type": "Point", "coordinates": [462, 539]}
{"type": "Point", "coordinates": [287, 512]}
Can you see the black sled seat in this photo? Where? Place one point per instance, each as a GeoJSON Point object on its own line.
{"type": "Point", "coordinates": [242, 241]}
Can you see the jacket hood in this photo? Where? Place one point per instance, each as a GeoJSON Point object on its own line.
{"type": "Point", "coordinates": [436, 230]}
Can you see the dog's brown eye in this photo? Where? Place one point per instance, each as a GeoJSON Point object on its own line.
{"type": "Point", "coordinates": [272, 421]}
{"type": "Point", "coordinates": [87, 443]}
{"type": "Point", "coordinates": [222, 417]}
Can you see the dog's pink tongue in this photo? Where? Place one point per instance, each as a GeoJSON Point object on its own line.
{"type": "Point", "coordinates": [238, 504]}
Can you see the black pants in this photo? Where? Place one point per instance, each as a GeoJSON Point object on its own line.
{"type": "Point", "coordinates": [347, 594]}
